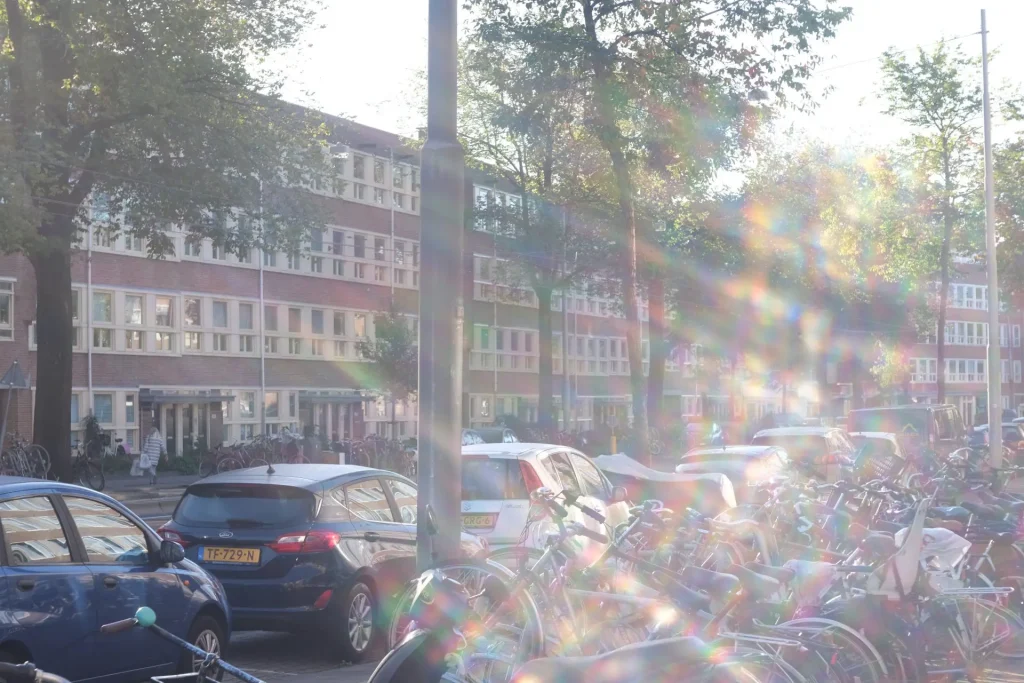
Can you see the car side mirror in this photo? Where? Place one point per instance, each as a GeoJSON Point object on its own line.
{"type": "Point", "coordinates": [171, 552]}
{"type": "Point", "coordinates": [619, 494]}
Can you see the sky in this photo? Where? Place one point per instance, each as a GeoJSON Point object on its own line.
{"type": "Point", "coordinates": [364, 60]}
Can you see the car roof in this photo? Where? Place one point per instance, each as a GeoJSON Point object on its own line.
{"type": "Point", "coordinates": [303, 476]}
{"type": "Point", "coordinates": [509, 450]}
{"type": "Point", "coordinates": [981, 428]}
{"type": "Point", "coordinates": [888, 436]}
{"type": "Point", "coordinates": [797, 431]}
{"type": "Point", "coordinates": [15, 484]}
{"type": "Point", "coordinates": [751, 451]}
{"type": "Point", "coordinates": [909, 406]}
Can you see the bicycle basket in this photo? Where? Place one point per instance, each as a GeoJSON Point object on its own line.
{"type": "Point", "coordinates": [873, 463]}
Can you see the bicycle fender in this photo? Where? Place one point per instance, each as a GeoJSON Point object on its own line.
{"type": "Point", "coordinates": [417, 659]}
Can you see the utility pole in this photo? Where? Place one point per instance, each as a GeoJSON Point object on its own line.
{"type": "Point", "coordinates": [566, 398]}
{"type": "Point", "coordinates": [441, 308]}
{"type": "Point", "coordinates": [995, 378]}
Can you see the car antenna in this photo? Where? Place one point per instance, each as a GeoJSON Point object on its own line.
{"type": "Point", "coordinates": [270, 468]}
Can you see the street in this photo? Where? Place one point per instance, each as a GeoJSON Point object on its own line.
{"type": "Point", "coordinates": [282, 657]}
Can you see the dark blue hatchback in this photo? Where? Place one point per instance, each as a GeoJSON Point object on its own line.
{"type": "Point", "coordinates": [317, 547]}
{"type": "Point", "coordinates": [72, 560]}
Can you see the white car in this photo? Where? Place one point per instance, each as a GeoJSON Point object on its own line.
{"type": "Point", "coordinates": [497, 480]}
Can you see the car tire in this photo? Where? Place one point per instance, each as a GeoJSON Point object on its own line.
{"type": "Point", "coordinates": [208, 634]}
{"type": "Point", "coordinates": [354, 629]}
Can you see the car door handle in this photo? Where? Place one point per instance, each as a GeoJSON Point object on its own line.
{"type": "Point", "coordinates": [26, 584]}
{"type": "Point", "coordinates": [109, 581]}
{"type": "Point", "coordinates": [371, 536]}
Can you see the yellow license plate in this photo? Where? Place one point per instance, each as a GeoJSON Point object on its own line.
{"type": "Point", "coordinates": [231, 555]}
{"type": "Point", "coordinates": [478, 521]}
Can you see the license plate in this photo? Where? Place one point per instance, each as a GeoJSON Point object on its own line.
{"type": "Point", "coordinates": [230, 555]}
{"type": "Point", "coordinates": [478, 521]}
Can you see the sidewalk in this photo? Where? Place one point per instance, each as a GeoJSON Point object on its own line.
{"type": "Point", "coordinates": [153, 503]}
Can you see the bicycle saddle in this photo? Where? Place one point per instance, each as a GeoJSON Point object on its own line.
{"type": "Point", "coordinates": [997, 537]}
{"type": "Point", "coordinates": [984, 511]}
{"type": "Point", "coordinates": [757, 586]}
{"type": "Point", "coordinates": [648, 661]}
{"type": "Point", "coordinates": [954, 513]}
{"type": "Point", "coordinates": [781, 574]}
{"type": "Point", "coordinates": [881, 545]}
{"type": "Point", "coordinates": [718, 586]}
{"type": "Point", "coordinates": [687, 598]}
{"type": "Point", "coordinates": [1012, 506]}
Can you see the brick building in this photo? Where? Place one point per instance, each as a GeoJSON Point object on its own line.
{"type": "Point", "coordinates": [182, 340]}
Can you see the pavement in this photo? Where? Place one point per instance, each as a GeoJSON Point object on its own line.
{"type": "Point", "coordinates": [154, 503]}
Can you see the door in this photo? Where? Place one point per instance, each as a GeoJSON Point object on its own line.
{"type": "Point", "coordinates": [374, 539]}
{"type": "Point", "coordinates": [48, 597]}
{"type": "Point", "coordinates": [127, 575]}
{"type": "Point", "coordinates": [403, 499]}
{"type": "Point", "coordinates": [597, 491]}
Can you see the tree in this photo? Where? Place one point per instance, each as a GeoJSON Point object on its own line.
{"type": "Point", "coordinates": [394, 355]}
{"type": "Point", "coordinates": [156, 114]}
{"type": "Point", "coordinates": [939, 95]}
{"type": "Point", "coordinates": [637, 65]}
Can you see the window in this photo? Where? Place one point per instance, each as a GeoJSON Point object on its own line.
{"type": "Point", "coordinates": [133, 309]}
{"type": "Point", "coordinates": [102, 236]}
{"type": "Point", "coordinates": [316, 264]}
{"type": "Point", "coordinates": [359, 250]}
{"type": "Point", "coordinates": [220, 342]}
{"type": "Point", "coordinates": [359, 271]}
{"type": "Point", "coordinates": [291, 405]}
{"type": "Point", "coordinates": [338, 242]}
{"type": "Point", "coordinates": [923, 370]}
{"type": "Point", "coordinates": [102, 307]}
{"type": "Point", "coordinates": [405, 500]}
{"type": "Point", "coordinates": [379, 195]}
{"type": "Point", "coordinates": [378, 171]}
{"type": "Point", "coordinates": [132, 243]}
{"type": "Point", "coordinates": [590, 478]}
{"type": "Point", "coordinates": [294, 261]}
{"type": "Point", "coordinates": [247, 404]}
{"type": "Point", "coordinates": [379, 248]}
{"type": "Point", "coordinates": [218, 252]}
{"type": "Point", "coordinates": [358, 166]}
{"type": "Point", "coordinates": [245, 256]}
{"type": "Point", "coordinates": [270, 404]}
{"type": "Point", "coordinates": [246, 432]}
{"type": "Point", "coordinates": [338, 267]}
{"type": "Point", "coordinates": [380, 274]}
{"type": "Point", "coordinates": [270, 344]}
{"type": "Point", "coordinates": [270, 318]}
{"type": "Point", "coordinates": [398, 200]}
{"type": "Point", "coordinates": [164, 312]}
{"type": "Point", "coordinates": [398, 175]}
{"type": "Point", "coordinates": [246, 343]}
{"type": "Point", "coordinates": [317, 319]}
{"type": "Point", "coordinates": [101, 339]}
{"type": "Point", "coordinates": [485, 341]}
{"type": "Point", "coordinates": [366, 500]}
{"type": "Point", "coordinates": [399, 276]}
{"type": "Point", "coordinates": [295, 346]}
{"type": "Point", "coordinates": [339, 324]}
{"type": "Point", "coordinates": [194, 341]}
{"type": "Point", "coordinates": [414, 174]}
{"type": "Point", "coordinates": [220, 313]}
{"type": "Point", "coordinates": [245, 316]}
{"type": "Point", "coordinates": [528, 341]}
{"type": "Point", "coordinates": [129, 408]}
{"type": "Point", "coordinates": [359, 324]}
{"type": "Point", "coordinates": [103, 408]}
{"type": "Point", "coordinates": [359, 191]}
{"type": "Point", "coordinates": [1016, 371]}
{"type": "Point", "coordinates": [295, 320]}
{"type": "Point", "coordinates": [164, 341]}
{"type": "Point", "coordinates": [340, 349]}
{"type": "Point", "coordinates": [133, 340]}
{"type": "Point", "coordinates": [33, 533]}
{"type": "Point", "coordinates": [499, 340]}
{"type": "Point", "coordinates": [1016, 336]}
{"type": "Point", "coordinates": [560, 468]}
{"type": "Point", "coordinates": [316, 347]}
{"type": "Point", "coordinates": [74, 409]}
{"type": "Point", "coordinates": [108, 536]}
{"type": "Point", "coordinates": [270, 259]}
{"type": "Point", "coordinates": [514, 337]}
{"type": "Point", "coordinates": [316, 240]}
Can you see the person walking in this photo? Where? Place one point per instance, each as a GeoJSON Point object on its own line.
{"type": "Point", "coordinates": [152, 448]}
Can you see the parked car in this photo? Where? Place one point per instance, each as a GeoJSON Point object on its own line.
{"type": "Point", "coordinates": [1013, 436]}
{"type": "Point", "coordinates": [305, 546]}
{"type": "Point", "coordinates": [744, 465]}
{"type": "Point", "coordinates": [497, 480]}
{"type": "Point", "coordinates": [471, 437]}
{"type": "Point", "coordinates": [817, 451]}
{"type": "Point", "coordinates": [940, 427]}
{"type": "Point", "coordinates": [710, 493]}
{"type": "Point", "coordinates": [73, 559]}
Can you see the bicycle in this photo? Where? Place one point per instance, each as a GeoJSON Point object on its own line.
{"type": "Point", "coordinates": [27, 673]}
{"type": "Point", "coordinates": [87, 469]}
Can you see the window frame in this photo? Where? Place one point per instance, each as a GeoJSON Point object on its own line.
{"type": "Point", "coordinates": [152, 551]}
{"type": "Point", "coordinates": [75, 548]}
{"type": "Point", "coordinates": [387, 496]}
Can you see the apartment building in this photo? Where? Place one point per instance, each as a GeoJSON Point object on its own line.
{"type": "Point", "coordinates": [210, 345]}
{"type": "Point", "coordinates": [966, 337]}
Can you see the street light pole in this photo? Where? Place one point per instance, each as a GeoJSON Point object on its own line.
{"type": "Point", "coordinates": [995, 378]}
{"type": "Point", "coordinates": [441, 313]}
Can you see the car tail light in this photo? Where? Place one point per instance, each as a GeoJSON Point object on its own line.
{"type": "Point", "coordinates": [169, 535]}
{"type": "Point", "coordinates": [305, 542]}
{"type": "Point", "coordinates": [530, 476]}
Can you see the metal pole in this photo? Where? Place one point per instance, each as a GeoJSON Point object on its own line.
{"type": "Point", "coordinates": [391, 169]}
{"type": "Point", "coordinates": [565, 335]}
{"type": "Point", "coordinates": [441, 307]}
{"type": "Point", "coordinates": [263, 332]}
{"type": "Point", "coordinates": [995, 379]}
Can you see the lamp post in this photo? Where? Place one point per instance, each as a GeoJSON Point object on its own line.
{"type": "Point", "coordinates": [441, 312]}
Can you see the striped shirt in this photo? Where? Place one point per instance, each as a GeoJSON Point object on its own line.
{"type": "Point", "coordinates": [152, 449]}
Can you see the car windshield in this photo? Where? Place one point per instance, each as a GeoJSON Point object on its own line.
{"type": "Point", "coordinates": [492, 479]}
{"type": "Point", "coordinates": [914, 420]}
{"type": "Point", "coordinates": [240, 506]}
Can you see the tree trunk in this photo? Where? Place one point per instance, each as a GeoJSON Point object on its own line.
{"type": "Point", "coordinates": [656, 333]}
{"type": "Point", "coordinates": [947, 237]}
{"type": "Point", "coordinates": [54, 339]}
{"type": "Point", "coordinates": [545, 383]}
{"type": "Point", "coordinates": [612, 140]}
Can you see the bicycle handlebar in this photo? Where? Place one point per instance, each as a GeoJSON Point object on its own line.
{"type": "Point", "coordinates": [27, 673]}
{"type": "Point", "coordinates": [118, 626]}
{"type": "Point", "coordinates": [580, 530]}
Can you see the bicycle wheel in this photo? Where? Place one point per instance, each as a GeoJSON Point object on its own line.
{"type": "Point", "coordinates": [40, 460]}
{"type": "Point", "coordinates": [229, 464]}
{"type": "Point", "coordinates": [90, 474]}
{"type": "Point", "coordinates": [834, 652]}
{"type": "Point", "coordinates": [992, 628]}
{"type": "Point", "coordinates": [516, 638]}
{"type": "Point", "coordinates": [208, 465]}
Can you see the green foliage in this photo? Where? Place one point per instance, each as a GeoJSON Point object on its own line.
{"type": "Point", "coordinates": [393, 352]}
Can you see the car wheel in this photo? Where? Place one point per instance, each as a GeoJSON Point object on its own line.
{"type": "Point", "coordinates": [355, 624]}
{"type": "Point", "coordinates": [206, 634]}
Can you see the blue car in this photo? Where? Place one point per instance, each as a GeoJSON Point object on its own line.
{"type": "Point", "coordinates": [72, 560]}
{"type": "Point", "coordinates": [315, 548]}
